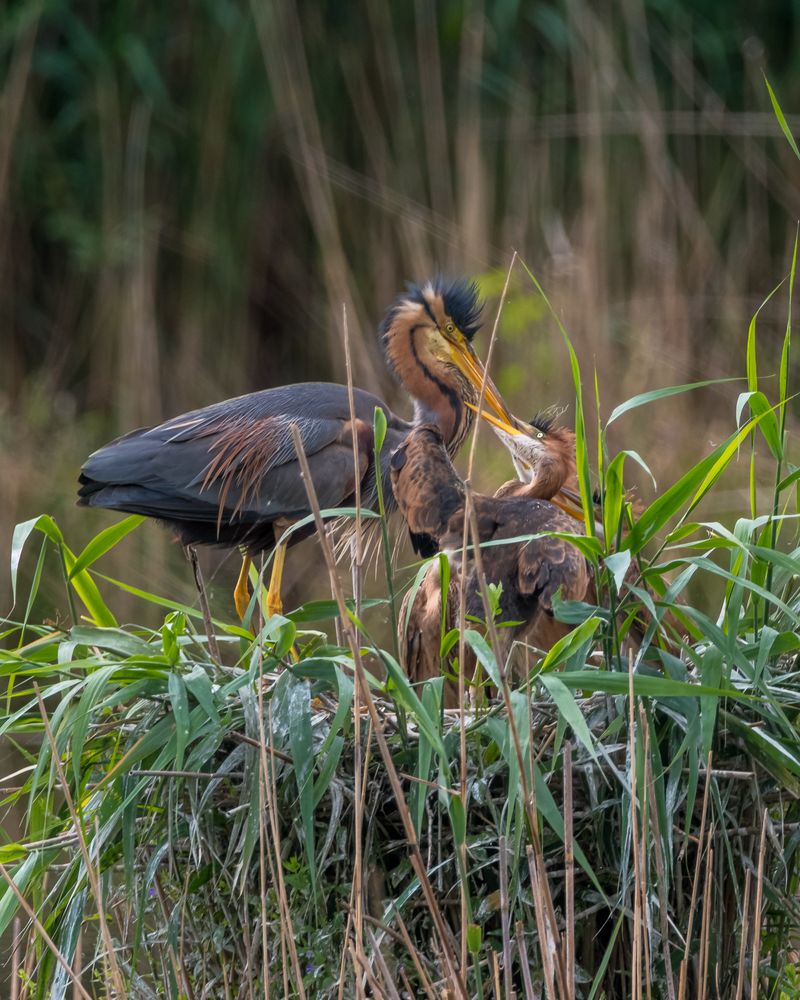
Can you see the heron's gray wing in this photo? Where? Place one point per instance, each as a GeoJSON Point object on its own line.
{"type": "Point", "coordinates": [236, 460]}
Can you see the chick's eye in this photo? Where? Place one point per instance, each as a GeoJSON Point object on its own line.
{"type": "Point", "coordinates": [540, 434]}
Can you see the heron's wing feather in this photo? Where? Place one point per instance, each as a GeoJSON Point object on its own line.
{"type": "Point", "coordinates": [426, 487]}
{"type": "Point", "coordinates": [235, 461]}
{"type": "Point", "coordinates": [545, 565]}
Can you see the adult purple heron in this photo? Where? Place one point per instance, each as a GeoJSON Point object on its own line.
{"type": "Point", "coordinates": [228, 474]}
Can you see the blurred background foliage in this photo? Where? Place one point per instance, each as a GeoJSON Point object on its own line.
{"type": "Point", "coordinates": [189, 193]}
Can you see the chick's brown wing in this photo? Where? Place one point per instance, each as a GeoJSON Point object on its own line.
{"type": "Point", "coordinates": [545, 565]}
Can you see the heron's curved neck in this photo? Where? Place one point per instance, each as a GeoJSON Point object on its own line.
{"type": "Point", "coordinates": [556, 470]}
{"type": "Point", "coordinates": [436, 389]}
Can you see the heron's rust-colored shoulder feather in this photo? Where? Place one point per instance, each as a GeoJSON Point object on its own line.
{"type": "Point", "coordinates": [425, 484]}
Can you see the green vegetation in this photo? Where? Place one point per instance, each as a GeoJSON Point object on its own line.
{"type": "Point", "coordinates": [634, 819]}
{"type": "Point", "coordinates": [226, 176]}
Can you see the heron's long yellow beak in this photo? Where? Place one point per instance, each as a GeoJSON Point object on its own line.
{"type": "Point", "coordinates": [502, 425]}
{"type": "Point", "coordinates": [469, 363]}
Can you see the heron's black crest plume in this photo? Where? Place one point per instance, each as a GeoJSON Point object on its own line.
{"type": "Point", "coordinates": [459, 297]}
{"type": "Point", "coordinates": [543, 422]}
{"type": "Point", "coordinates": [461, 303]}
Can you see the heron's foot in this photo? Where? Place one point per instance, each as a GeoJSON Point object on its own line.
{"type": "Point", "coordinates": [241, 593]}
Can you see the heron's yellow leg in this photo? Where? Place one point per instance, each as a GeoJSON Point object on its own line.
{"type": "Point", "coordinates": [241, 592]}
{"type": "Point", "coordinates": [274, 602]}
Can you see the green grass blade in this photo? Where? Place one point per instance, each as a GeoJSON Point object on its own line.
{"type": "Point", "coordinates": [87, 591]}
{"type": "Point", "coordinates": [581, 451]}
{"type": "Point", "coordinates": [484, 655]}
{"type": "Point", "coordinates": [432, 702]}
{"type": "Point", "coordinates": [782, 119]}
{"type": "Point", "coordinates": [19, 537]}
{"type": "Point", "coordinates": [783, 377]}
{"type": "Point", "coordinates": [569, 644]}
{"type": "Point", "coordinates": [180, 710]}
{"type": "Point", "coordinates": [301, 744]}
{"type": "Point", "coordinates": [104, 541]}
{"type": "Point", "coordinates": [569, 710]}
{"type": "Point", "coordinates": [642, 398]}
{"type": "Point", "coordinates": [689, 489]}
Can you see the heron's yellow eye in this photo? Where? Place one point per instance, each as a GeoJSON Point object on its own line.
{"type": "Point", "coordinates": [450, 328]}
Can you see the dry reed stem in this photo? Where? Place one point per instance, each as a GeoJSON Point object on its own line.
{"type": "Point", "coordinates": [636, 975]}
{"type": "Point", "coordinates": [286, 65]}
{"type": "Point", "coordinates": [663, 902]}
{"type": "Point", "coordinates": [541, 925]}
{"type": "Point", "coordinates": [287, 930]}
{"type": "Point", "coordinates": [695, 884]}
{"type": "Point", "coordinates": [184, 911]}
{"type": "Point", "coordinates": [462, 746]}
{"type": "Point", "coordinates": [505, 920]}
{"type": "Point", "coordinates": [213, 647]}
{"type": "Point", "coordinates": [524, 961]}
{"type": "Point", "coordinates": [550, 928]}
{"type": "Point", "coordinates": [360, 962]}
{"type": "Point", "coordinates": [13, 95]}
{"type": "Point", "coordinates": [30, 957]}
{"type": "Point", "coordinates": [357, 893]}
{"type": "Point", "coordinates": [423, 976]}
{"type": "Point", "coordinates": [394, 780]}
{"type": "Point", "coordinates": [643, 866]}
{"type": "Point", "coordinates": [39, 928]}
{"type": "Point", "coordinates": [569, 877]}
{"type": "Point", "coordinates": [705, 926]}
{"type": "Point", "coordinates": [262, 837]}
{"type": "Point", "coordinates": [16, 932]}
{"type": "Point", "coordinates": [740, 976]}
{"type": "Point", "coordinates": [380, 961]}
{"type": "Point", "coordinates": [356, 477]}
{"type": "Point", "coordinates": [345, 952]}
{"type": "Point", "coordinates": [495, 968]}
{"type": "Point", "coordinates": [77, 964]}
{"type": "Point", "coordinates": [552, 923]}
{"type": "Point", "coordinates": [757, 908]}
{"type": "Point", "coordinates": [91, 875]}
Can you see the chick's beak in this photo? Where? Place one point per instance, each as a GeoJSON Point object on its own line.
{"type": "Point", "coordinates": [505, 426]}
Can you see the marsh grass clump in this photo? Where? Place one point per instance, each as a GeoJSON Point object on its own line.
{"type": "Point", "coordinates": [264, 822]}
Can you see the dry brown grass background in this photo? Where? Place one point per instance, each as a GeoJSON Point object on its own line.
{"type": "Point", "coordinates": [189, 198]}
